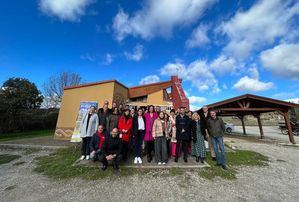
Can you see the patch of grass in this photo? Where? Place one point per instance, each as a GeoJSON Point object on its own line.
{"type": "Point", "coordinates": [234, 159]}
{"type": "Point", "coordinates": [176, 171]}
{"type": "Point", "coordinates": [6, 158]}
{"type": "Point", "coordinates": [31, 151]}
{"type": "Point", "coordinates": [23, 135]}
{"type": "Point", "coordinates": [59, 165]}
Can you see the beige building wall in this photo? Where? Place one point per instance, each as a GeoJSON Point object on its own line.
{"type": "Point", "coordinates": [157, 98]}
{"type": "Point", "coordinates": [71, 102]}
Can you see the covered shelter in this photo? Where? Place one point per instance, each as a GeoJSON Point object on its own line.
{"type": "Point", "coordinates": [249, 104]}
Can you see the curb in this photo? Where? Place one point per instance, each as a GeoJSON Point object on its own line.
{"type": "Point", "coordinates": [22, 146]}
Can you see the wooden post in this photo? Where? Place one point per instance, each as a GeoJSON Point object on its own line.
{"type": "Point", "coordinates": [289, 127]}
{"type": "Point", "coordinates": [260, 125]}
{"type": "Point", "coordinates": [243, 124]}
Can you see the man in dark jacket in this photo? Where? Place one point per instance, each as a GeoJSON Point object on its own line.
{"type": "Point", "coordinates": [103, 114]}
{"type": "Point", "coordinates": [204, 116]}
{"type": "Point", "coordinates": [96, 143]}
{"type": "Point", "coordinates": [216, 130]}
{"type": "Point", "coordinates": [112, 150]}
{"type": "Point", "coordinates": [182, 122]}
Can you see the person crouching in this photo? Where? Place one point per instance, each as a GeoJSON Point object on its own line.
{"type": "Point", "coordinates": [112, 150]}
{"type": "Point", "coordinates": [96, 143]}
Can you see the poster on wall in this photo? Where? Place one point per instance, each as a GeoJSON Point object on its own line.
{"type": "Point", "coordinates": [84, 106]}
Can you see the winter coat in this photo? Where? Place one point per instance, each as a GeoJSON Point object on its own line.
{"type": "Point", "coordinates": [112, 146]}
{"type": "Point", "coordinates": [194, 129]}
{"type": "Point", "coordinates": [158, 128]}
{"type": "Point", "coordinates": [182, 123]}
{"type": "Point", "coordinates": [112, 122]}
{"type": "Point", "coordinates": [97, 140]}
{"type": "Point", "coordinates": [135, 125]}
{"type": "Point", "coordinates": [124, 124]}
{"type": "Point", "coordinates": [148, 126]}
{"type": "Point", "coordinates": [216, 127]}
{"type": "Point", "coordinates": [103, 117]}
{"type": "Point", "coordinates": [92, 125]}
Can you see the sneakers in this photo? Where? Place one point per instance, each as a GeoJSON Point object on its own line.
{"type": "Point", "coordinates": [164, 163]}
{"type": "Point", "coordinates": [139, 160]}
{"type": "Point", "coordinates": [159, 163]}
{"type": "Point", "coordinates": [82, 157]}
{"type": "Point", "coordinates": [135, 160]}
{"type": "Point", "coordinates": [87, 157]}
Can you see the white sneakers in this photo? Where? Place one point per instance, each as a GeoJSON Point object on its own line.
{"type": "Point", "coordinates": [82, 157]}
{"type": "Point", "coordinates": [164, 163]}
{"type": "Point", "coordinates": [137, 160]}
{"type": "Point", "coordinates": [87, 157]}
{"type": "Point", "coordinates": [159, 163]}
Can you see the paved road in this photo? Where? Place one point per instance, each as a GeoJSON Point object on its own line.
{"type": "Point", "coordinates": [272, 132]}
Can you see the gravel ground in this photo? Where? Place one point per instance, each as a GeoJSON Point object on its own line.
{"type": "Point", "coordinates": [277, 182]}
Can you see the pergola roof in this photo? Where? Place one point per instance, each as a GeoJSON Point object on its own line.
{"type": "Point", "coordinates": [249, 104]}
{"type": "Point", "coordinates": [143, 90]}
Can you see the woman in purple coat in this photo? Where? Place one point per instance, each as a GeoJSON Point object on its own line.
{"type": "Point", "coordinates": [150, 117]}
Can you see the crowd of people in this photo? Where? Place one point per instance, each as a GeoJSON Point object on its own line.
{"type": "Point", "coordinates": [113, 134]}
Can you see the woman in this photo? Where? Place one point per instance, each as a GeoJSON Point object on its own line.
{"type": "Point", "coordinates": [125, 126]}
{"type": "Point", "coordinates": [150, 117]}
{"type": "Point", "coordinates": [89, 126]}
{"type": "Point", "coordinates": [198, 144]}
{"type": "Point", "coordinates": [138, 131]}
{"type": "Point", "coordinates": [172, 132]}
{"type": "Point", "coordinates": [160, 137]}
{"type": "Point", "coordinates": [113, 120]}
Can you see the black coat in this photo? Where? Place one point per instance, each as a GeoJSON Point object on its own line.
{"type": "Point", "coordinates": [194, 129]}
{"type": "Point", "coordinates": [94, 142]}
{"type": "Point", "coordinates": [135, 125]}
{"type": "Point", "coordinates": [112, 146]}
{"type": "Point", "coordinates": [203, 121]}
{"type": "Point", "coordinates": [182, 123]}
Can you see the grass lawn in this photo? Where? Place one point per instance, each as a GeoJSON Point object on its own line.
{"type": "Point", "coordinates": [30, 134]}
{"type": "Point", "coordinates": [59, 165]}
{"type": "Point", "coordinates": [6, 158]}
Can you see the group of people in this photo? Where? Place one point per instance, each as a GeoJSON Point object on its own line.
{"type": "Point", "coordinates": [110, 135]}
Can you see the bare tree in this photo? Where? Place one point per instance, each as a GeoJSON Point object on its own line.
{"type": "Point", "coordinates": [53, 88]}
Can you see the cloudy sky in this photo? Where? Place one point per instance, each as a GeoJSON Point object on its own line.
{"type": "Point", "coordinates": [220, 48]}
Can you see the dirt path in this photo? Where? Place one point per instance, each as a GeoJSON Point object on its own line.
{"type": "Point", "coordinates": [277, 182]}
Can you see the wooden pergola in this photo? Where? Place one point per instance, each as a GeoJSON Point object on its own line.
{"type": "Point", "coordinates": [249, 104]}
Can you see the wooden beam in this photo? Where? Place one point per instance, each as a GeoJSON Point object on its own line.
{"type": "Point", "coordinates": [243, 124]}
{"type": "Point", "coordinates": [247, 105]}
{"type": "Point", "coordinates": [240, 104]}
{"type": "Point", "coordinates": [258, 116]}
{"type": "Point", "coordinates": [249, 109]}
{"type": "Point", "coordinates": [289, 127]}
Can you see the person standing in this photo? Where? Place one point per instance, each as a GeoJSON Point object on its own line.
{"type": "Point", "coordinates": [103, 115]}
{"type": "Point", "coordinates": [172, 132]}
{"type": "Point", "coordinates": [112, 150]}
{"type": "Point", "coordinates": [150, 117]}
{"type": "Point", "coordinates": [204, 116]}
{"type": "Point", "coordinates": [96, 143]}
{"type": "Point", "coordinates": [89, 126]}
{"type": "Point", "coordinates": [125, 126]}
{"type": "Point", "coordinates": [113, 119]}
{"type": "Point", "coordinates": [198, 142]}
{"type": "Point", "coordinates": [182, 123]}
{"type": "Point", "coordinates": [159, 135]}
{"type": "Point", "coordinates": [216, 129]}
{"type": "Point", "coordinates": [138, 131]}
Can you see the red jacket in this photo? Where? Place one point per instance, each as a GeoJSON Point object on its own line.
{"type": "Point", "coordinates": [125, 125]}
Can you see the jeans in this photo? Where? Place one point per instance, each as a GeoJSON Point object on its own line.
{"type": "Point", "coordinates": [218, 142]}
{"type": "Point", "coordinates": [161, 149]}
{"type": "Point", "coordinates": [138, 143]}
{"type": "Point", "coordinates": [85, 146]}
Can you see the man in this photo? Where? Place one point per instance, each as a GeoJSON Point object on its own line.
{"type": "Point", "coordinates": [103, 114]}
{"type": "Point", "coordinates": [216, 129]}
{"type": "Point", "coordinates": [182, 123]}
{"type": "Point", "coordinates": [112, 149]}
{"type": "Point", "coordinates": [96, 143]}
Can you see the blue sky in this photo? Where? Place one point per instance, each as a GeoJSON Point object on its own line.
{"type": "Point", "coordinates": [220, 48]}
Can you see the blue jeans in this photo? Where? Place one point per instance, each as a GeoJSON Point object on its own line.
{"type": "Point", "coordinates": [218, 142]}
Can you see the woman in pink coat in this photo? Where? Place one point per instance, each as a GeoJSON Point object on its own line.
{"type": "Point", "coordinates": [150, 117]}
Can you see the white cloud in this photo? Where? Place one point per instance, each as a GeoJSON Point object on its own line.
{"type": "Point", "coordinates": [197, 72]}
{"type": "Point", "coordinates": [262, 24]}
{"type": "Point", "coordinates": [282, 60]}
{"type": "Point", "coordinates": [149, 79]}
{"type": "Point", "coordinates": [159, 18]}
{"type": "Point", "coordinates": [108, 59]}
{"type": "Point", "coordinates": [197, 100]}
{"type": "Point", "coordinates": [70, 10]}
{"type": "Point", "coordinates": [252, 83]}
{"type": "Point", "coordinates": [224, 64]}
{"type": "Point", "coordinates": [137, 53]}
{"type": "Point", "coordinates": [198, 37]}
{"type": "Point", "coordinates": [293, 100]}
{"type": "Point", "coordinates": [88, 57]}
